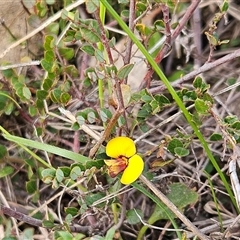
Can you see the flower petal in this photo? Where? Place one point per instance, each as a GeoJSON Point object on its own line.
{"type": "Point", "coordinates": [120, 146]}
{"type": "Point", "coordinates": [133, 170]}
{"type": "Point", "coordinates": [115, 166]}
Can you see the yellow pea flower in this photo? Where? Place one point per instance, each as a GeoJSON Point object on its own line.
{"type": "Point", "coordinates": [123, 151]}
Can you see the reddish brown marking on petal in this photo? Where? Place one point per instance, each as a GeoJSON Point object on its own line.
{"type": "Point", "coordinates": [118, 165]}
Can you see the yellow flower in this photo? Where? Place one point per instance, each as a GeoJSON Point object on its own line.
{"type": "Point", "coordinates": [123, 151]}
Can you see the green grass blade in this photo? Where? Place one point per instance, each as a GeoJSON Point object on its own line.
{"type": "Point", "coordinates": [45, 147]}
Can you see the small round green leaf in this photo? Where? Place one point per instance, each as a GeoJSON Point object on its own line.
{"type": "Point", "coordinates": [31, 186]}
{"type": "Point", "coordinates": [133, 217]}
{"type": "Point", "coordinates": [72, 210]}
{"type": "Point", "coordinates": [42, 94]}
{"type": "Point", "coordinates": [92, 5]}
{"type": "Point", "coordinates": [105, 114]}
{"type": "Point", "coordinates": [174, 143]}
{"type": "Point", "coordinates": [88, 49]}
{"type": "Point", "coordinates": [75, 173]}
{"type": "Point", "coordinates": [181, 152]}
{"type": "Point", "coordinates": [27, 93]}
{"type": "Point", "coordinates": [48, 175]}
{"type": "Point", "coordinates": [201, 106]}
{"type": "Point", "coordinates": [67, 53]}
{"type": "Point", "coordinates": [5, 171]}
{"type": "Point", "coordinates": [236, 125]}
{"type": "Point", "coordinates": [124, 71]}
{"type": "Point", "coordinates": [3, 151]}
{"type": "Point", "coordinates": [215, 137]}
{"type": "Point", "coordinates": [59, 175]}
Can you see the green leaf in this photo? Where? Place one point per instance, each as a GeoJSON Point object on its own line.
{"type": "Point", "coordinates": [92, 5]}
{"type": "Point", "coordinates": [41, 94]}
{"type": "Point", "coordinates": [8, 73]}
{"type": "Point", "coordinates": [67, 15]}
{"type": "Point", "coordinates": [90, 35]}
{"type": "Point", "coordinates": [147, 98]}
{"type": "Point", "coordinates": [125, 13]}
{"type": "Point", "coordinates": [32, 111]}
{"type": "Point", "coordinates": [55, 95]}
{"type": "Point", "coordinates": [105, 114]}
{"type": "Point", "coordinates": [201, 106]}
{"type": "Point", "coordinates": [48, 66]}
{"type": "Point", "coordinates": [197, 83]}
{"type": "Point", "coordinates": [181, 152]}
{"type": "Point", "coordinates": [215, 137]}
{"type": "Point", "coordinates": [75, 173]}
{"type": "Point", "coordinates": [66, 171]}
{"type": "Point", "coordinates": [28, 233]}
{"type": "Point", "coordinates": [3, 151]}
{"type": "Point", "coordinates": [67, 53]}
{"type": "Point", "coordinates": [110, 233]}
{"type": "Point", "coordinates": [231, 119]}
{"type": "Point", "coordinates": [31, 186]}
{"type": "Point", "coordinates": [49, 56]}
{"type": "Point", "coordinates": [65, 98]}
{"type": "Point", "coordinates": [236, 125]}
{"type": "Point", "coordinates": [91, 198]}
{"type": "Point", "coordinates": [162, 100]}
{"type": "Point", "coordinates": [65, 235]}
{"type": "Point", "coordinates": [39, 104]}
{"type": "Point", "coordinates": [141, 7]}
{"type": "Point", "coordinates": [124, 71]}
{"type": "Point", "coordinates": [225, 6]}
{"type": "Point", "coordinates": [99, 56]}
{"type": "Point", "coordinates": [47, 83]}
{"type": "Point", "coordinates": [59, 175]}
{"type": "Point", "coordinates": [95, 163]}
{"type": "Point", "coordinates": [91, 117]}
{"type": "Point", "coordinates": [159, 24]}
{"type": "Point", "coordinates": [48, 175]}
{"type": "Point", "coordinates": [132, 217]}
{"type": "Point", "coordinates": [71, 70]}
{"type": "Point", "coordinates": [71, 210]}
{"type": "Point", "coordinates": [5, 171]}
{"type": "Point", "coordinates": [49, 42]}
{"type": "Point", "coordinates": [88, 49]}
{"type": "Point", "coordinates": [155, 107]}
{"type": "Point", "coordinates": [174, 143]}
{"type": "Point", "coordinates": [48, 224]}
{"type": "Point", "coordinates": [3, 100]}
{"type": "Point", "coordinates": [52, 28]}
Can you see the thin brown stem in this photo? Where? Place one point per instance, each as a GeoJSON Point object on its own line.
{"type": "Point", "coordinates": [117, 82]}
{"type": "Point", "coordinates": [106, 133]}
{"type": "Point", "coordinates": [132, 15]}
{"type": "Point", "coordinates": [104, 37]}
{"type": "Point", "coordinates": [164, 50]}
